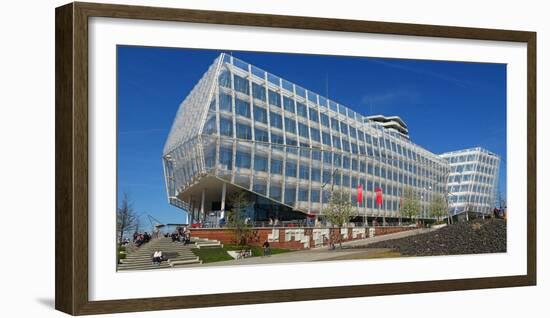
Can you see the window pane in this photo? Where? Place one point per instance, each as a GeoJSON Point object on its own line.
{"type": "Point", "coordinates": [344, 128]}
{"type": "Point", "coordinates": [342, 109]}
{"type": "Point", "coordinates": [244, 131]}
{"type": "Point", "coordinates": [288, 86]}
{"type": "Point", "coordinates": [261, 135]}
{"type": "Point", "coordinates": [303, 194]}
{"type": "Point", "coordinates": [210, 126]}
{"type": "Point", "coordinates": [275, 120]}
{"type": "Point", "coordinates": [260, 163]}
{"type": "Point", "coordinates": [327, 157]}
{"type": "Point", "coordinates": [315, 174]}
{"type": "Point", "coordinates": [336, 142]}
{"type": "Point", "coordinates": [312, 97]}
{"type": "Point", "coordinates": [335, 124]}
{"type": "Point", "coordinates": [289, 104]}
{"type": "Point", "coordinates": [240, 64]}
{"type": "Point", "coordinates": [275, 192]}
{"type": "Point", "coordinates": [300, 91]}
{"type": "Point", "coordinates": [324, 120]}
{"type": "Point", "coordinates": [290, 125]}
{"type": "Point", "coordinates": [226, 103]}
{"type": "Point", "coordinates": [274, 98]}
{"type": "Point", "coordinates": [304, 171]}
{"type": "Point", "coordinates": [273, 79]}
{"type": "Point", "coordinates": [326, 138]}
{"type": "Point", "coordinates": [315, 136]}
{"type": "Point", "coordinates": [277, 139]}
{"type": "Point", "coordinates": [322, 101]}
{"type": "Point", "coordinates": [225, 79]}
{"type": "Point", "coordinates": [315, 195]}
{"type": "Point", "coordinates": [242, 159]}
{"type": "Point", "coordinates": [313, 115]}
{"type": "Point", "coordinates": [302, 109]}
{"type": "Point", "coordinates": [258, 72]}
{"type": "Point", "coordinates": [260, 114]}
{"type": "Point", "coordinates": [337, 161]}
{"type": "Point", "coordinates": [290, 195]}
{"type": "Point", "coordinates": [276, 166]}
{"type": "Point", "coordinates": [290, 169]}
{"type": "Point", "coordinates": [258, 91]}
{"type": "Point", "coordinates": [333, 106]}
{"type": "Point", "coordinates": [226, 158]}
{"type": "Point", "coordinates": [226, 127]}
{"type": "Point", "coordinates": [352, 132]}
{"type": "Point", "coordinates": [242, 107]}
{"type": "Point", "coordinates": [260, 186]}
{"type": "Point", "coordinates": [241, 84]}
{"type": "Point", "coordinates": [302, 129]}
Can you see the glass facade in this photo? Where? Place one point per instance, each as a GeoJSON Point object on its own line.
{"type": "Point", "coordinates": [252, 129]}
{"type": "Point", "coordinates": [472, 180]}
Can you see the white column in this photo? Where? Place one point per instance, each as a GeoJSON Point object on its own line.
{"type": "Point", "coordinates": [201, 212]}
{"type": "Point", "coordinates": [224, 190]}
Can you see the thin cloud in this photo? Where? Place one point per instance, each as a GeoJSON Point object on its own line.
{"type": "Point", "coordinates": [399, 96]}
{"type": "Point", "coordinates": [422, 71]}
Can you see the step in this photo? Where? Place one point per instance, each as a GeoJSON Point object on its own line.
{"type": "Point", "coordinates": [184, 262]}
{"type": "Point", "coordinates": [149, 267]}
{"type": "Point", "coordinates": [148, 261]}
{"type": "Point", "coordinates": [206, 245]}
{"type": "Point", "coordinates": [134, 256]}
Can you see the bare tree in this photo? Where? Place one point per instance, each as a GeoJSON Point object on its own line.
{"type": "Point", "coordinates": [126, 218]}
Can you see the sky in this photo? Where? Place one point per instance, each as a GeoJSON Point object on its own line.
{"type": "Point", "coordinates": [446, 105]}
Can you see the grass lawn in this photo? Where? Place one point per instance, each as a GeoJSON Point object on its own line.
{"type": "Point", "coordinates": [211, 254]}
{"type": "Point", "coordinates": [217, 254]}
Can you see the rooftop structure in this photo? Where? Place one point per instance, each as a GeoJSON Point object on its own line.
{"type": "Point", "coordinates": [392, 123]}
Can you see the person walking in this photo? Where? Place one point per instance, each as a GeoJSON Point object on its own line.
{"type": "Point", "coordinates": [267, 250]}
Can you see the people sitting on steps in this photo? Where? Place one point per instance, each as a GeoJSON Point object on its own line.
{"type": "Point", "coordinates": [141, 238]}
{"type": "Point", "coordinates": [157, 258]}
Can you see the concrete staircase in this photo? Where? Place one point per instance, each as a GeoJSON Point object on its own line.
{"type": "Point", "coordinates": [205, 243]}
{"type": "Point", "coordinates": [177, 254]}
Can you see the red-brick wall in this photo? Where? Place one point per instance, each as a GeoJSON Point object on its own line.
{"type": "Point", "coordinates": [259, 235]}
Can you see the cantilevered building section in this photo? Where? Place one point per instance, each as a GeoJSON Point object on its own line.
{"type": "Point", "coordinates": [472, 183]}
{"type": "Point", "coordinates": [242, 128]}
{"type": "Point", "coordinates": [392, 123]}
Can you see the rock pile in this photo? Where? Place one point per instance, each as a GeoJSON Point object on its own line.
{"type": "Point", "coordinates": [474, 237]}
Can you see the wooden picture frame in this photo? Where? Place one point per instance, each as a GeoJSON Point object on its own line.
{"type": "Point", "coordinates": [71, 142]}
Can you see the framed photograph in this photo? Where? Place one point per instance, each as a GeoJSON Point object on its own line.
{"type": "Point", "coordinates": [236, 158]}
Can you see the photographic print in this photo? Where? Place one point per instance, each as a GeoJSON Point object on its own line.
{"type": "Point", "coordinates": [233, 158]}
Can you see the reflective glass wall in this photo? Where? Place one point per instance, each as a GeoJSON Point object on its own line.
{"type": "Point", "coordinates": [472, 182]}
{"type": "Point", "coordinates": [294, 146]}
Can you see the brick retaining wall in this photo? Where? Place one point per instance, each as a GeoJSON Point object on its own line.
{"type": "Point", "coordinates": [295, 238]}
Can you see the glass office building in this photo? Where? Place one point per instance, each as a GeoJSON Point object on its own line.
{"type": "Point", "coordinates": [242, 128]}
{"type": "Point", "coordinates": [472, 182]}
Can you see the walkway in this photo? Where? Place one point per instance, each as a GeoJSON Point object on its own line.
{"type": "Point", "coordinates": [322, 253]}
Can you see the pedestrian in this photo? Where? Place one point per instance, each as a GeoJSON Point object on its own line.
{"type": "Point", "coordinates": [267, 250]}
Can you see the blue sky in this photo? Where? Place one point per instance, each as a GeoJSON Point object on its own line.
{"type": "Point", "coordinates": [446, 105]}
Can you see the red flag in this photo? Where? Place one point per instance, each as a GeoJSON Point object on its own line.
{"type": "Point", "coordinates": [360, 193]}
{"type": "Point", "coordinates": [378, 196]}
